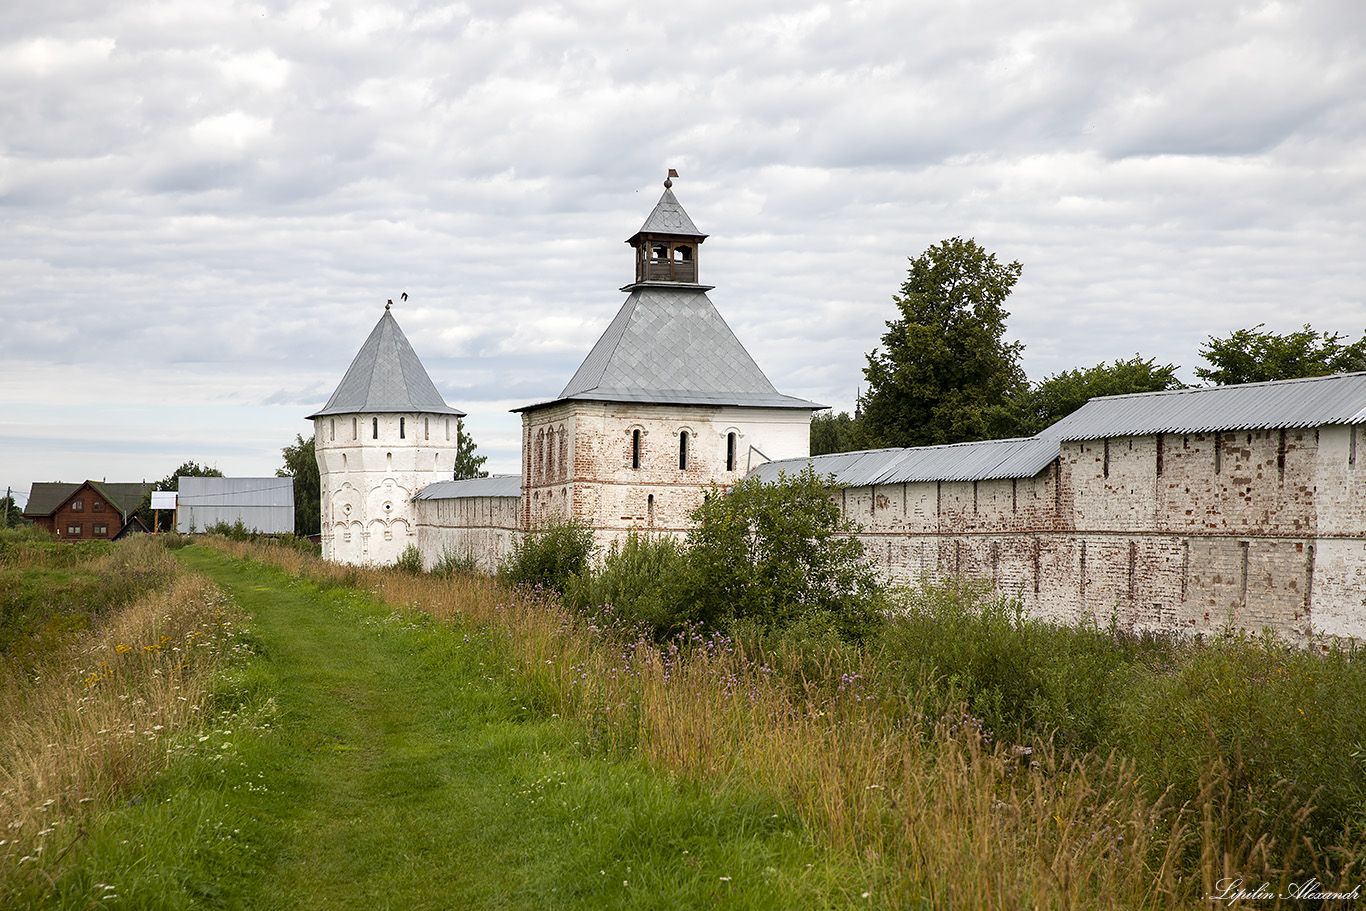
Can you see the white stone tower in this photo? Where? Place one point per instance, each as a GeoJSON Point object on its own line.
{"type": "Point", "coordinates": [667, 405]}
{"type": "Point", "coordinates": [384, 435]}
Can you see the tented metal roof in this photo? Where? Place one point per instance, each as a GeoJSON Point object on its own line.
{"type": "Point", "coordinates": [980, 461]}
{"type": "Point", "coordinates": [668, 345]}
{"type": "Point", "coordinates": [1310, 402]}
{"type": "Point", "coordinates": [499, 485]}
{"type": "Point", "coordinates": [386, 377]}
{"type": "Point", "coordinates": [668, 217]}
{"type": "Point", "coordinates": [263, 504]}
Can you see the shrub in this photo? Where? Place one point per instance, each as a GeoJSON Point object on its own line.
{"type": "Point", "coordinates": [410, 561]}
{"type": "Point", "coordinates": [550, 555]}
{"type": "Point", "coordinates": [451, 564]}
{"type": "Point", "coordinates": [639, 578]}
{"type": "Point", "coordinates": [776, 553]}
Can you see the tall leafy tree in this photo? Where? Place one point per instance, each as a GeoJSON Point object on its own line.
{"type": "Point", "coordinates": [832, 432]}
{"type": "Point", "coordinates": [1256, 355]}
{"type": "Point", "coordinates": [944, 372]}
{"type": "Point", "coordinates": [467, 464]}
{"type": "Point", "coordinates": [1057, 396]}
{"type": "Point", "coordinates": [302, 465]}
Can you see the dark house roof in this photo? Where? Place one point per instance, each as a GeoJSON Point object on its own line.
{"type": "Point", "coordinates": [386, 377]}
{"type": "Point", "coordinates": [45, 498]}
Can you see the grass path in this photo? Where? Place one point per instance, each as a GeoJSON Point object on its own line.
{"type": "Point", "coordinates": [401, 770]}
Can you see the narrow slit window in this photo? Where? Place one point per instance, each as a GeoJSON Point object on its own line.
{"type": "Point", "coordinates": [374, 428]}
{"type": "Point", "coordinates": [332, 429]}
{"type": "Point", "coordinates": [426, 428]}
{"type": "Point", "coordinates": [402, 428]}
{"type": "Point", "coordinates": [683, 451]}
{"type": "Point", "coordinates": [730, 451]}
{"type": "Point", "coordinates": [635, 448]}
{"type": "Point", "coordinates": [355, 430]}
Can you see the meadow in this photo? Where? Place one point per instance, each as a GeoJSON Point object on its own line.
{"type": "Point", "coordinates": [966, 754]}
{"type": "Point", "coordinates": [960, 755]}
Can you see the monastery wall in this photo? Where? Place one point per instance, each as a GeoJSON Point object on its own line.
{"type": "Point", "coordinates": [484, 528]}
{"type": "Point", "coordinates": [1155, 532]}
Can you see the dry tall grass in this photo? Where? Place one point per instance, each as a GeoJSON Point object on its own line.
{"type": "Point", "coordinates": [931, 809]}
{"type": "Point", "coordinates": [99, 716]}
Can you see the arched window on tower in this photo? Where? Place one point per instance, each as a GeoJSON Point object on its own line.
{"type": "Point", "coordinates": [635, 448]}
{"type": "Point", "coordinates": [355, 433]}
{"type": "Point", "coordinates": [540, 455]}
{"type": "Point", "coordinates": [426, 428]}
{"type": "Point", "coordinates": [683, 451]}
{"type": "Point", "coordinates": [374, 428]}
{"type": "Point", "coordinates": [402, 429]}
{"type": "Point", "coordinates": [550, 455]}
{"type": "Point", "coordinates": [564, 454]}
{"type": "Point", "coordinates": [730, 451]}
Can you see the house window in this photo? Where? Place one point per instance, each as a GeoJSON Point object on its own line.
{"type": "Point", "coordinates": [77, 505]}
{"type": "Point", "coordinates": [99, 530]}
{"type": "Point", "coordinates": [374, 428]}
{"type": "Point", "coordinates": [730, 452]}
{"type": "Point", "coordinates": [402, 429]}
{"type": "Point", "coordinates": [73, 530]}
{"type": "Point", "coordinates": [635, 448]}
{"type": "Point", "coordinates": [97, 505]}
{"type": "Point", "coordinates": [683, 451]}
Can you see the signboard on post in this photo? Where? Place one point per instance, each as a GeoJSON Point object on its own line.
{"type": "Point", "coordinates": [163, 499]}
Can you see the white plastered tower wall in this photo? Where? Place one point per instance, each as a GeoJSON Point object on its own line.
{"type": "Point", "coordinates": [370, 466]}
{"type": "Point", "coordinates": [383, 435]}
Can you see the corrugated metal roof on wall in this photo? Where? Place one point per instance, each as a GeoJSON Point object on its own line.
{"type": "Point", "coordinates": [1311, 402]}
{"type": "Point", "coordinates": [263, 504]}
{"type": "Point", "coordinates": [980, 461]}
{"type": "Point", "coordinates": [499, 485]}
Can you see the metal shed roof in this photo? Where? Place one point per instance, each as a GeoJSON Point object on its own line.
{"type": "Point", "coordinates": [668, 345]}
{"type": "Point", "coordinates": [265, 504]}
{"type": "Point", "coordinates": [499, 485]}
{"type": "Point", "coordinates": [980, 461]}
{"type": "Point", "coordinates": [386, 377]}
{"type": "Point", "coordinates": [1310, 402]}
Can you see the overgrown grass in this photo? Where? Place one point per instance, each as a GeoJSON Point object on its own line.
{"type": "Point", "coordinates": [967, 755]}
{"type": "Point", "coordinates": [88, 717]}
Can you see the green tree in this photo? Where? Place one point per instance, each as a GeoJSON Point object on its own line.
{"type": "Point", "coordinates": [943, 373]}
{"type": "Point", "coordinates": [1255, 356]}
{"type": "Point", "coordinates": [467, 464]}
{"type": "Point", "coordinates": [165, 518]}
{"type": "Point", "coordinates": [834, 433]}
{"type": "Point", "coordinates": [11, 514]}
{"type": "Point", "coordinates": [1057, 396]}
{"type": "Point", "coordinates": [302, 465]}
{"type": "Point", "coordinates": [777, 554]}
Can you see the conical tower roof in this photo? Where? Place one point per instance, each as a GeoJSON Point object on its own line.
{"type": "Point", "coordinates": [386, 377]}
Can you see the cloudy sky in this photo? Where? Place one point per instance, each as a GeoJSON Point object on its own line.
{"type": "Point", "coordinates": [204, 206]}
